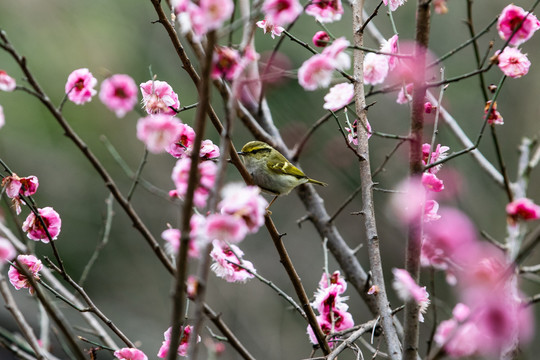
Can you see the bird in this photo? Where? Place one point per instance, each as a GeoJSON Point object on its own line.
{"type": "Point", "coordinates": [271, 171]}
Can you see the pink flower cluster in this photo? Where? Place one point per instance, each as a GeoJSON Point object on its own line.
{"type": "Point", "coordinates": [17, 279]}
{"type": "Point", "coordinates": [407, 289]}
{"type": "Point", "coordinates": [512, 62]}
{"type": "Point", "coordinates": [430, 181]}
{"type": "Point", "coordinates": [7, 251]}
{"type": "Point", "coordinates": [35, 229]}
{"type": "Point", "coordinates": [339, 96]}
{"type": "Point", "coordinates": [522, 209]}
{"type": "Point", "coordinates": [393, 4]}
{"type": "Point", "coordinates": [184, 342]}
{"type": "Point", "coordinates": [7, 83]}
{"type": "Point", "coordinates": [333, 315]}
{"type": "Point", "coordinates": [316, 72]}
{"type": "Point", "coordinates": [16, 187]}
{"type": "Point", "coordinates": [130, 354]}
{"type": "Point", "coordinates": [196, 241]}
{"type": "Point", "coordinates": [377, 66]}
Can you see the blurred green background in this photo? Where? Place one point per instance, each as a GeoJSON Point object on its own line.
{"type": "Point", "coordinates": [127, 283]}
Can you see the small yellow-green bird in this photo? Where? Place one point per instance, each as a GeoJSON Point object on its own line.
{"type": "Point", "coordinates": [271, 171]}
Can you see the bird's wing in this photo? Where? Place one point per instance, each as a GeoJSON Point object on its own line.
{"type": "Point", "coordinates": [281, 165]}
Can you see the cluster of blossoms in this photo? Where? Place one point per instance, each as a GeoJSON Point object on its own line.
{"type": "Point", "coordinates": [492, 315]}
{"type": "Point", "coordinates": [18, 279]}
{"type": "Point", "coordinates": [333, 315]}
{"type": "Point", "coordinates": [16, 186]}
{"type": "Point", "coordinates": [515, 26]}
{"type": "Point", "coordinates": [241, 211]}
{"type": "Point", "coordinates": [202, 16]}
{"type": "Point", "coordinates": [130, 354]}
{"type": "Point", "coordinates": [118, 92]}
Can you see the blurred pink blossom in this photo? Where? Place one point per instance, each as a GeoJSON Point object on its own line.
{"type": "Point", "coordinates": [391, 46]}
{"type": "Point", "coordinates": [158, 132]}
{"type": "Point", "coordinates": [17, 279]}
{"type": "Point", "coordinates": [7, 83]}
{"type": "Point", "coordinates": [510, 18]}
{"type": "Point", "coordinates": [336, 52]}
{"type": "Point", "coordinates": [513, 63]}
{"type": "Point", "coordinates": [431, 182]}
{"type": "Point", "coordinates": [281, 12]}
{"type": "Point", "coordinates": [316, 72]}
{"type": "Point", "coordinates": [159, 97]}
{"type": "Point", "coordinates": [35, 231]}
{"type": "Point", "coordinates": [224, 227]}
{"type": "Point", "coordinates": [524, 209]}
{"type": "Point", "coordinates": [207, 176]}
{"type": "Point", "coordinates": [226, 63]}
{"type": "Point", "coordinates": [375, 68]}
{"type": "Point", "coordinates": [246, 203]}
{"type": "Point", "coordinates": [80, 86]}
{"type": "Point", "coordinates": [224, 256]}
{"type": "Point", "coordinates": [209, 150]}
{"type": "Point", "coordinates": [130, 354]}
{"type": "Point", "coordinates": [439, 153]}
{"type": "Point", "coordinates": [339, 96]}
{"type": "Point", "coordinates": [325, 11]}
{"type": "Point", "coordinates": [405, 94]}
{"type": "Point", "coordinates": [408, 289]}
{"type": "Point", "coordinates": [7, 251]}
{"type": "Point", "coordinates": [119, 94]}
{"type": "Point", "coordinates": [440, 7]}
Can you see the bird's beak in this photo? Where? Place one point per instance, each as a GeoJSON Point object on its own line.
{"type": "Point", "coordinates": [240, 153]}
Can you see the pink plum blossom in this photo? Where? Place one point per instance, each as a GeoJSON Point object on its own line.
{"type": "Point", "coordinates": [334, 279]}
{"type": "Point", "coordinates": [130, 354]}
{"type": "Point", "coordinates": [325, 11]}
{"type": "Point", "coordinates": [510, 18]}
{"type": "Point", "coordinates": [2, 117]}
{"type": "Point", "coordinates": [405, 94]}
{"type": "Point", "coordinates": [457, 340]}
{"type": "Point", "coordinates": [34, 228]}
{"type": "Point", "coordinates": [225, 259]}
{"type": "Point", "coordinates": [181, 146]}
{"type": "Point", "coordinates": [184, 342]}
{"type": "Point", "coordinates": [224, 227]}
{"type": "Point", "coordinates": [119, 94]}
{"type": "Point", "coordinates": [375, 68]}
{"type": "Point", "coordinates": [159, 97]}
{"type": "Point", "coordinates": [226, 63]}
{"type": "Point", "coordinates": [244, 202]}
{"type": "Point", "coordinates": [316, 72]}
{"type": "Point", "coordinates": [428, 107]}
{"type": "Point", "coordinates": [442, 248]}
{"type": "Point", "coordinates": [407, 289]}
{"type": "Point", "coordinates": [216, 12]}
{"type": "Point", "coordinates": [339, 96]}
{"type": "Point", "coordinates": [321, 39]}
{"type": "Point", "coordinates": [192, 287]}
{"type": "Point", "coordinates": [391, 46]}
{"type": "Point", "coordinates": [7, 251]}
{"type": "Point", "coordinates": [394, 4]}
{"type": "Point", "coordinates": [17, 279]}
{"type": "Point", "coordinates": [524, 209]}
{"type": "Point", "coordinates": [431, 182]}
{"type": "Point", "coordinates": [408, 201]}
{"type": "Point", "coordinates": [207, 176]}
{"type": "Point", "coordinates": [269, 27]}
{"type": "Point", "coordinates": [17, 186]}
{"type": "Point", "coordinates": [281, 12]}
{"type": "Point", "coordinates": [7, 83]}
{"type": "Point", "coordinates": [158, 132]}
{"type": "Point", "coordinates": [513, 63]}
{"type": "Point", "coordinates": [209, 150]}
{"type": "Point", "coordinates": [80, 86]}
{"type": "Point", "coordinates": [495, 117]}
{"type": "Point", "coordinates": [439, 154]}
